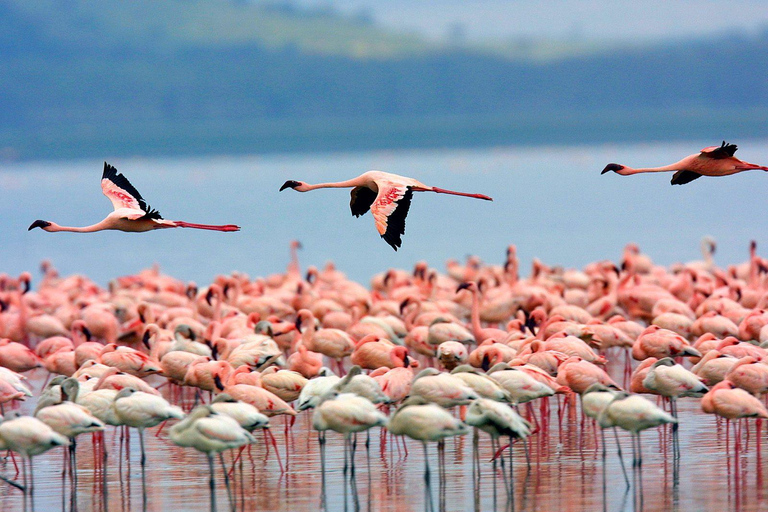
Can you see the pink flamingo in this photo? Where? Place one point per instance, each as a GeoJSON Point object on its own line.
{"type": "Point", "coordinates": [711, 161]}
{"type": "Point", "coordinates": [17, 357]}
{"type": "Point", "coordinates": [387, 196]}
{"type": "Point", "coordinates": [371, 353]}
{"type": "Point", "coordinates": [132, 213]}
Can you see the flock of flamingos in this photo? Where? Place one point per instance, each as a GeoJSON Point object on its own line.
{"type": "Point", "coordinates": [421, 353]}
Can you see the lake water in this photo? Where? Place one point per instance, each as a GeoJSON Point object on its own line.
{"type": "Point", "coordinates": [567, 472]}
{"type": "Point", "coordinates": [550, 201]}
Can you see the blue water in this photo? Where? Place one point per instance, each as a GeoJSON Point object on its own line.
{"type": "Point", "coordinates": [550, 201]}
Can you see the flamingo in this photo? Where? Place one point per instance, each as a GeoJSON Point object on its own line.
{"type": "Point", "coordinates": [711, 161]}
{"type": "Point", "coordinates": [387, 196]}
{"type": "Point", "coordinates": [132, 213]}
{"type": "Point", "coordinates": [425, 421]}
{"type": "Point", "coordinates": [498, 419]}
{"type": "Point", "coordinates": [29, 436]}
{"type": "Point", "coordinates": [346, 413]}
{"type": "Point", "coordinates": [634, 414]}
{"type": "Point", "coordinates": [142, 410]}
{"type": "Point", "coordinates": [210, 432]}
{"type": "Point", "coordinates": [315, 388]}
{"type": "Point", "coordinates": [671, 380]}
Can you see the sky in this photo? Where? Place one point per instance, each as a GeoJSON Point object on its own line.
{"type": "Point", "coordinates": [615, 20]}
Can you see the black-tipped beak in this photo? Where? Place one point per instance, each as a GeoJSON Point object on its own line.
{"type": "Point", "coordinates": [86, 333]}
{"type": "Point", "coordinates": [298, 323]}
{"type": "Point", "coordinates": [289, 184]}
{"type": "Point", "coordinates": [612, 167]}
{"type": "Point", "coordinates": [403, 304]}
{"type": "Point", "coordinates": [39, 224]}
{"type": "Point", "coordinates": [462, 286]}
{"type": "Point", "coordinates": [145, 340]}
{"type": "Point", "coordinates": [27, 285]}
{"type": "Point", "coordinates": [209, 296]}
{"type": "Point", "coordinates": [406, 361]}
{"type": "Point", "coordinates": [486, 364]}
{"type": "Point", "coordinates": [218, 383]}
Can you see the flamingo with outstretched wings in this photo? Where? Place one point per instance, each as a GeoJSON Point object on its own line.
{"type": "Point", "coordinates": [387, 196]}
{"type": "Point", "coordinates": [132, 213]}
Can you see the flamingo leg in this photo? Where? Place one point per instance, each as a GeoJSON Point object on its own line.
{"type": "Point", "coordinates": [226, 481]}
{"type": "Point", "coordinates": [621, 458]}
{"type": "Point", "coordinates": [143, 467]}
{"type": "Point", "coordinates": [212, 482]}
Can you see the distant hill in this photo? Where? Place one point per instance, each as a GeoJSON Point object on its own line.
{"type": "Point", "coordinates": [106, 77]}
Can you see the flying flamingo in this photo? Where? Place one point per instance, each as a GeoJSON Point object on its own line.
{"type": "Point", "coordinates": [387, 196]}
{"type": "Point", "coordinates": [132, 213]}
{"type": "Point", "coordinates": [711, 161]}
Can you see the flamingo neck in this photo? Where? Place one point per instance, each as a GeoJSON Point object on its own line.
{"type": "Point", "coordinates": [55, 228]}
{"type": "Point", "coordinates": [339, 184]}
{"type": "Point", "coordinates": [476, 326]}
{"type": "Point", "coordinates": [626, 171]}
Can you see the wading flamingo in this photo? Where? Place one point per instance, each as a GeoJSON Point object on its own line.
{"type": "Point", "coordinates": [28, 436]}
{"type": "Point", "coordinates": [209, 433]}
{"type": "Point", "coordinates": [132, 213]}
{"type": "Point", "coordinates": [711, 161]}
{"type": "Point", "coordinates": [387, 196]}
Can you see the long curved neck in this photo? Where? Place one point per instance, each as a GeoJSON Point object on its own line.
{"type": "Point", "coordinates": [476, 326]}
{"type": "Point", "coordinates": [99, 226]}
{"type": "Point", "coordinates": [339, 184]}
{"type": "Point", "coordinates": [626, 171]}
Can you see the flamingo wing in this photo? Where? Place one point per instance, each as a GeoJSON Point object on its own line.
{"type": "Point", "coordinates": [389, 211]}
{"type": "Point", "coordinates": [122, 194]}
{"type": "Point", "coordinates": [361, 201]}
{"type": "Point", "coordinates": [683, 177]}
{"type": "Point", "coordinates": [717, 152]}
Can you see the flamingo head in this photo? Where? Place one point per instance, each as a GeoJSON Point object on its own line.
{"type": "Point", "coordinates": [613, 167]}
{"type": "Point", "coordinates": [299, 186]}
{"type": "Point", "coordinates": [42, 224]}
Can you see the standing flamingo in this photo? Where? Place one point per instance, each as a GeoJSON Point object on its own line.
{"type": "Point", "coordinates": [132, 213]}
{"type": "Point", "coordinates": [29, 436]}
{"type": "Point", "coordinates": [387, 196]}
{"type": "Point", "coordinates": [209, 432]}
{"type": "Point", "coordinates": [711, 161]}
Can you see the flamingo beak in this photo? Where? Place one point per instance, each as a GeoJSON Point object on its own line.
{"type": "Point", "coordinates": [39, 224]}
{"type": "Point", "coordinates": [462, 286]}
{"type": "Point", "coordinates": [289, 184]}
{"type": "Point", "coordinates": [612, 167]}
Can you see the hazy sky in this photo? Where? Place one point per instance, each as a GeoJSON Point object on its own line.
{"type": "Point", "coordinates": [593, 19]}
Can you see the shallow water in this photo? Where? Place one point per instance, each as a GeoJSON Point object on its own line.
{"type": "Point", "coordinates": [567, 472]}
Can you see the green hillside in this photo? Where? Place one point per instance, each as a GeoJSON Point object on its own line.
{"type": "Point", "coordinates": [88, 78]}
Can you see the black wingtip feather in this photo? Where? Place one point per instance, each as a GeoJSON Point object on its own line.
{"type": "Point", "coordinates": [725, 150]}
{"type": "Point", "coordinates": [396, 221]}
{"type": "Point", "coordinates": [111, 174]}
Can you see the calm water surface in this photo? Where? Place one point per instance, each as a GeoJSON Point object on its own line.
{"type": "Point", "coordinates": [567, 472]}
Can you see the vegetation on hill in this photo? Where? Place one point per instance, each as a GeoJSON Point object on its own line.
{"type": "Point", "coordinates": [84, 77]}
